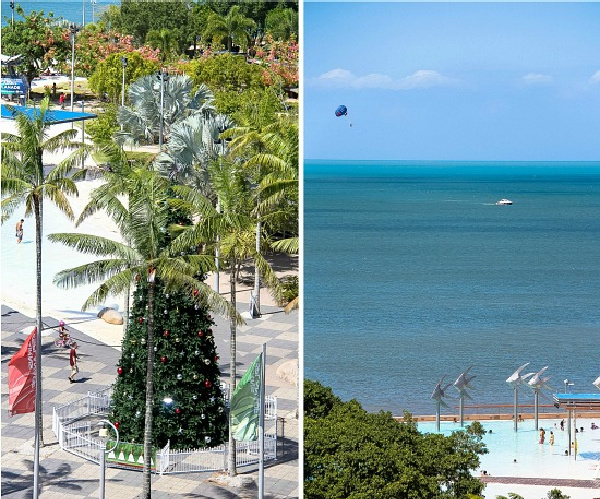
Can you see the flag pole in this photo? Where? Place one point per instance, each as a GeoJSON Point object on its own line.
{"type": "Point", "coordinates": [261, 435]}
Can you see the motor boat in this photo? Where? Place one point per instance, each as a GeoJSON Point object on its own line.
{"type": "Point", "coordinates": [504, 202]}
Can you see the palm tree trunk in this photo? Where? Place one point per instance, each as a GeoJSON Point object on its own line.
{"type": "Point", "coordinates": [256, 269]}
{"type": "Point", "coordinates": [39, 415]}
{"type": "Point", "coordinates": [232, 470]}
{"type": "Point", "coordinates": [147, 486]}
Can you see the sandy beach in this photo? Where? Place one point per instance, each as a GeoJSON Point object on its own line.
{"type": "Point", "coordinates": [17, 267]}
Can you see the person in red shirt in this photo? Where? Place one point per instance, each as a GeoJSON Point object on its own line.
{"type": "Point", "coordinates": [73, 362]}
{"type": "Point", "coordinates": [61, 99]}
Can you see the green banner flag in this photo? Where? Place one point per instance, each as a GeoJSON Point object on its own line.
{"type": "Point", "coordinates": [245, 404]}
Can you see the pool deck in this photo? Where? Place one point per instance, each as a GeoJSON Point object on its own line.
{"type": "Point", "coordinates": [503, 416]}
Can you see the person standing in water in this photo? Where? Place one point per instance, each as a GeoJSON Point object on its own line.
{"type": "Point", "coordinates": [19, 231]}
{"type": "Point", "coordinates": [551, 438]}
{"type": "Point", "coordinates": [542, 435]}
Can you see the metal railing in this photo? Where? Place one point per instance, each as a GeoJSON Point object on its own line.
{"type": "Point", "coordinates": [76, 435]}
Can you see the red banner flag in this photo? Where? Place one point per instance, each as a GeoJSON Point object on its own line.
{"type": "Point", "coordinates": [22, 377]}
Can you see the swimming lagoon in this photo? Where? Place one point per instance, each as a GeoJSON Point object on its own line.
{"type": "Point", "coordinates": [520, 455]}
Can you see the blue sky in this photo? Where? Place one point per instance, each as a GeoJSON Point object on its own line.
{"type": "Point", "coordinates": [452, 81]}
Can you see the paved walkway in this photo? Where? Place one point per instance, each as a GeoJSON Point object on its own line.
{"type": "Point", "coordinates": [64, 474]}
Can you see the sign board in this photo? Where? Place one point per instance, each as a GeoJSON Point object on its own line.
{"type": "Point", "coordinates": [13, 86]}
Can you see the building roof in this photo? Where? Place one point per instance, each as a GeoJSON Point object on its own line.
{"type": "Point", "coordinates": [579, 400]}
{"type": "Point", "coordinates": [52, 115]}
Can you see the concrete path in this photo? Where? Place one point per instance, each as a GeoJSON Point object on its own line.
{"type": "Point", "coordinates": [62, 474]}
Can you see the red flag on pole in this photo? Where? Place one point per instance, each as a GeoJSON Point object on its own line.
{"type": "Point", "coordinates": [21, 377]}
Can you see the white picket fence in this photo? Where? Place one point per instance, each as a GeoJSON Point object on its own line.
{"type": "Point", "coordinates": [74, 426]}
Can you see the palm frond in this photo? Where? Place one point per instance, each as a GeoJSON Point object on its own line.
{"type": "Point", "coordinates": [290, 246]}
{"type": "Point", "coordinates": [95, 245]}
{"type": "Point", "coordinates": [90, 273]}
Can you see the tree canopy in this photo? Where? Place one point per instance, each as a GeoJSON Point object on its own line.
{"type": "Point", "coordinates": [351, 453]}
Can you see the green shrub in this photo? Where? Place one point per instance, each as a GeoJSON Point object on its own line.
{"type": "Point", "coordinates": [287, 291]}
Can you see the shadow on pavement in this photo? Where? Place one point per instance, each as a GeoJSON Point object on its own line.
{"type": "Point", "coordinates": [14, 482]}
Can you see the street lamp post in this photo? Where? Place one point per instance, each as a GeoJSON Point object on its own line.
{"type": "Point", "coordinates": [93, 13]}
{"type": "Point", "coordinates": [74, 29]}
{"type": "Point", "coordinates": [162, 76]}
{"type": "Point", "coordinates": [103, 434]}
{"type": "Point", "coordinates": [124, 65]}
{"type": "Point", "coordinates": [12, 6]}
{"type": "Point", "coordinates": [83, 25]}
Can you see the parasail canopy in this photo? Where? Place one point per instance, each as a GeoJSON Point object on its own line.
{"type": "Point", "coordinates": [341, 111]}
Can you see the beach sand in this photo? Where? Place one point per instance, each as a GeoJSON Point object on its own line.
{"type": "Point", "coordinates": [18, 272]}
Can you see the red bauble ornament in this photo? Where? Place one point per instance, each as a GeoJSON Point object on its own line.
{"type": "Point", "coordinates": [216, 358]}
{"type": "Point", "coordinates": [207, 384]}
{"type": "Point", "coordinates": [195, 292]}
{"type": "Point", "coordinates": [120, 370]}
{"type": "Point", "coordinates": [141, 320]}
{"type": "Point", "coordinates": [178, 410]}
{"type": "Point", "coordinates": [166, 333]}
{"type": "Point", "coordinates": [163, 359]}
{"type": "Point", "coordinates": [117, 424]}
{"type": "Point", "coordinates": [201, 333]}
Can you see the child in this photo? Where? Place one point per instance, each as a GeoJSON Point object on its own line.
{"type": "Point", "coordinates": [62, 330]}
{"type": "Point", "coordinates": [61, 99]}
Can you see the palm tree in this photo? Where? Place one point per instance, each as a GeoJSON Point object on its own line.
{"type": "Point", "coordinates": [146, 255]}
{"type": "Point", "coordinates": [234, 24]}
{"type": "Point", "coordinates": [282, 22]}
{"type": "Point", "coordinates": [193, 144]}
{"type": "Point", "coordinates": [260, 143]}
{"type": "Point", "coordinates": [235, 226]}
{"type": "Point", "coordinates": [163, 40]}
{"type": "Point", "coordinates": [24, 179]}
{"type": "Point", "coordinates": [142, 118]}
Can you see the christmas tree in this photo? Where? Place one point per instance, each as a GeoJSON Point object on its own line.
{"type": "Point", "coordinates": [189, 409]}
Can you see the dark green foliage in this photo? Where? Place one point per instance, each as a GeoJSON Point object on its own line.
{"type": "Point", "coordinates": [282, 23]}
{"type": "Point", "coordinates": [350, 453]}
{"type": "Point", "coordinates": [225, 72]}
{"type": "Point", "coordinates": [137, 18]}
{"type": "Point", "coordinates": [101, 129]}
{"type": "Point", "coordinates": [557, 494]}
{"type": "Point", "coordinates": [319, 400]}
{"type": "Point", "coordinates": [287, 290]}
{"type": "Point", "coordinates": [178, 323]}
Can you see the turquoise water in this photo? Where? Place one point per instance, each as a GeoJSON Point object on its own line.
{"type": "Point", "coordinates": [71, 10]}
{"type": "Point", "coordinates": [532, 458]}
{"type": "Point", "coordinates": [411, 272]}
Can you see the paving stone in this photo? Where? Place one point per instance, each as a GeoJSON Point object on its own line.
{"type": "Point", "coordinates": [65, 475]}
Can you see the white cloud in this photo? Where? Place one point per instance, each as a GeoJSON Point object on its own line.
{"type": "Point", "coordinates": [596, 77]}
{"type": "Point", "coordinates": [423, 78]}
{"type": "Point", "coordinates": [336, 75]}
{"type": "Point", "coordinates": [536, 79]}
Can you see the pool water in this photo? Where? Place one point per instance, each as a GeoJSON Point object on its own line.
{"type": "Point", "coordinates": [534, 460]}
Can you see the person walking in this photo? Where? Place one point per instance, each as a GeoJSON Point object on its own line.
{"type": "Point", "coordinates": [562, 425]}
{"type": "Point", "coordinates": [61, 99]}
{"type": "Point", "coordinates": [19, 231]}
{"type": "Point", "coordinates": [73, 362]}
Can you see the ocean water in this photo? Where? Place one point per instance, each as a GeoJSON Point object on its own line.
{"type": "Point", "coordinates": [411, 272]}
{"type": "Point", "coordinates": [71, 10]}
